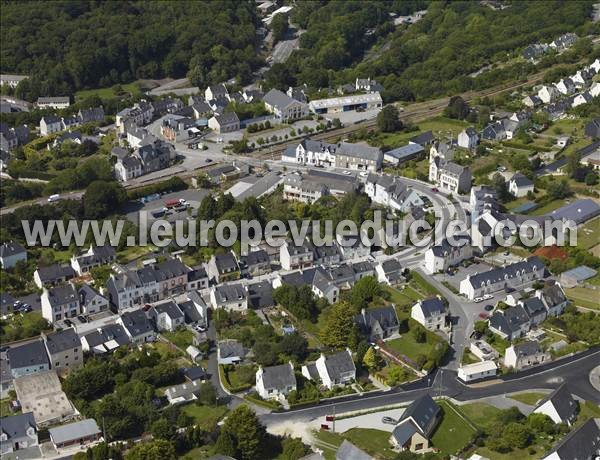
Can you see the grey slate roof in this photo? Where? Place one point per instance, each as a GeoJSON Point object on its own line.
{"type": "Point", "coordinates": [231, 348]}
{"type": "Point", "coordinates": [528, 348]}
{"type": "Point", "coordinates": [497, 274]}
{"type": "Point", "coordinates": [348, 451]}
{"type": "Point", "coordinates": [534, 306]}
{"type": "Point", "coordinates": [563, 402]}
{"type": "Point", "coordinates": [338, 364]}
{"type": "Point", "coordinates": [386, 317]}
{"type": "Point", "coordinates": [278, 377]}
{"type": "Point", "coordinates": [423, 138]}
{"type": "Point", "coordinates": [64, 340]}
{"type": "Point", "coordinates": [553, 295]}
{"type": "Point", "coordinates": [229, 292]}
{"type": "Point", "coordinates": [256, 257]}
{"type": "Point", "coordinates": [61, 295]}
{"type": "Point", "coordinates": [578, 211]}
{"type": "Point", "coordinates": [521, 181]}
{"type": "Point", "coordinates": [433, 307]}
{"type": "Point", "coordinates": [444, 248]}
{"type": "Point", "coordinates": [184, 390]}
{"type": "Point", "coordinates": [74, 431]}
{"type": "Point", "coordinates": [424, 412]}
{"type": "Point", "coordinates": [226, 262]}
{"type": "Point", "coordinates": [260, 295]}
{"type": "Point", "coordinates": [582, 443]}
{"type": "Point", "coordinates": [11, 248]}
{"type": "Point", "coordinates": [510, 321]}
{"type": "Point", "coordinates": [55, 272]}
{"type": "Point", "coordinates": [278, 99]}
{"type": "Point", "coordinates": [170, 308]}
{"type": "Point", "coordinates": [190, 311]}
{"type": "Point", "coordinates": [30, 354]}
{"type": "Point", "coordinates": [86, 294]}
{"type": "Point", "coordinates": [136, 322]}
{"type": "Point", "coordinates": [107, 333]}
{"type": "Point", "coordinates": [16, 426]}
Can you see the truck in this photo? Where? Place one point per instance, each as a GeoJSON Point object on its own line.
{"type": "Point", "coordinates": [175, 202]}
{"type": "Point", "coordinates": [53, 198]}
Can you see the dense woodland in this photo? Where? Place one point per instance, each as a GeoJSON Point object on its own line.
{"type": "Point", "coordinates": [67, 45]}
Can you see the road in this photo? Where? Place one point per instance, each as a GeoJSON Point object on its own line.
{"type": "Point", "coordinates": [574, 370]}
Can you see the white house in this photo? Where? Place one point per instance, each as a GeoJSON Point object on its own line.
{"type": "Point", "coordinates": [168, 316]}
{"type": "Point", "coordinates": [60, 303]}
{"type": "Point", "coordinates": [231, 297]}
{"type": "Point", "coordinates": [524, 355]}
{"type": "Point", "coordinates": [548, 94]}
{"type": "Point", "coordinates": [554, 299]}
{"type": "Point", "coordinates": [559, 406]}
{"type": "Point", "coordinates": [440, 257]}
{"type": "Point", "coordinates": [477, 371]}
{"type": "Point", "coordinates": [18, 432]}
{"type": "Point", "coordinates": [520, 185]}
{"type": "Point", "coordinates": [137, 326]}
{"type": "Point", "coordinates": [430, 313]}
{"type": "Point", "coordinates": [294, 257]}
{"type": "Point", "coordinates": [468, 139]}
{"type": "Point", "coordinates": [275, 382]}
{"type": "Point", "coordinates": [283, 106]}
{"type": "Point", "coordinates": [333, 370]}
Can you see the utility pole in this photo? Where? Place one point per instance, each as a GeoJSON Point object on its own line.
{"type": "Point", "coordinates": [333, 424]}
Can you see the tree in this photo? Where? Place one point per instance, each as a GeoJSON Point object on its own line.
{"type": "Point", "coordinates": [501, 188]}
{"type": "Point", "coordinates": [163, 429]}
{"type": "Point", "coordinates": [457, 108]}
{"type": "Point", "coordinates": [279, 27]}
{"type": "Point", "coordinates": [339, 330]}
{"type": "Point", "coordinates": [419, 335]}
{"type": "Point", "coordinates": [591, 178]}
{"type": "Point", "coordinates": [247, 432]}
{"type": "Point", "coordinates": [541, 423]}
{"type": "Point", "coordinates": [559, 189]}
{"type": "Point", "coordinates": [208, 394]}
{"type": "Point", "coordinates": [294, 345]}
{"type": "Point", "coordinates": [293, 449]}
{"type": "Point", "coordinates": [517, 435]}
{"type": "Point", "coordinates": [364, 291]}
{"type": "Point", "coordinates": [373, 360]}
{"type": "Point", "coordinates": [157, 449]}
{"type": "Point", "coordinates": [102, 199]}
{"type": "Point", "coordinates": [225, 444]}
{"type": "Point", "coordinates": [388, 119]}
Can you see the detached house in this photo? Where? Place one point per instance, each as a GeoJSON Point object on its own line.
{"type": "Point", "coordinates": [520, 185]}
{"type": "Point", "coordinates": [227, 122]}
{"type": "Point", "coordinates": [229, 297]}
{"type": "Point", "coordinates": [430, 313]}
{"type": "Point", "coordinates": [559, 406]}
{"type": "Point", "coordinates": [275, 382]}
{"type": "Point", "coordinates": [468, 139]}
{"type": "Point", "coordinates": [333, 370]}
{"type": "Point", "coordinates": [415, 427]}
{"type": "Point", "coordinates": [377, 323]}
{"type": "Point", "coordinates": [11, 253]}
{"type": "Point", "coordinates": [50, 124]}
{"type": "Point", "coordinates": [93, 257]}
{"type": "Point", "coordinates": [526, 354]}
{"type": "Point", "coordinates": [137, 326]}
{"type": "Point", "coordinates": [510, 324]}
{"type": "Point", "coordinates": [582, 442]}
{"type": "Point", "coordinates": [535, 310]}
{"type": "Point", "coordinates": [283, 106]}
{"type": "Point", "coordinates": [390, 272]}
{"type": "Point", "coordinates": [230, 352]}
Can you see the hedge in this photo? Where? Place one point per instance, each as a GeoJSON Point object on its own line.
{"type": "Point", "coordinates": [174, 184]}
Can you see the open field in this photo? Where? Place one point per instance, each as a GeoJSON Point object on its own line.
{"type": "Point", "coordinates": [453, 433]}
{"type": "Point", "coordinates": [583, 297]}
{"type": "Point", "coordinates": [105, 93]}
{"type": "Point", "coordinates": [528, 398]}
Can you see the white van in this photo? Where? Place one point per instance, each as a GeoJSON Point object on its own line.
{"type": "Point", "coordinates": [54, 197]}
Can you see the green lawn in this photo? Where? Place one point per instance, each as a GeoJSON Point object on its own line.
{"type": "Point", "coordinates": [588, 234]}
{"type": "Point", "coordinates": [22, 326]}
{"type": "Point", "coordinates": [528, 398]}
{"type": "Point", "coordinates": [421, 285]}
{"type": "Point", "coordinates": [181, 337]}
{"type": "Point", "coordinates": [469, 358]}
{"type": "Point", "coordinates": [328, 442]}
{"type": "Point", "coordinates": [453, 433]}
{"type": "Point", "coordinates": [402, 297]}
{"type": "Point", "coordinates": [408, 346]}
{"type": "Point", "coordinates": [587, 411]}
{"type": "Point", "coordinates": [374, 442]}
{"type": "Point", "coordinates": [584, 297]}
{"type": "Point", "coordinates": [205, 416]}
{"type": "Point", "coordinates": [106, 93]}
{"type": "Point", "coordinates": [132, 253]}
{"type": "Point", "coordinates": [481, 414]}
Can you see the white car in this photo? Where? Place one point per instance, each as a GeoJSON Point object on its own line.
{"type": "Point", "coordinates": [347, 173]}
{"type": "Point", "coordinates": [478, 299]}
{"type": "Point", "coordinates": [488, 297]}
{"type": "Point", "coordinates": [364, 174]}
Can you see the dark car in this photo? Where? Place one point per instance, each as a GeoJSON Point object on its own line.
{"type": "Point", "coordinates": [488, 307]}
{"type": "Point", "coordinates": [208, 160]}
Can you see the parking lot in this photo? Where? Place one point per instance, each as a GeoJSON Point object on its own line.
{"type": "Point", "coordinates": [373, 420]}
{"type": "Point", "coordinates": [192, 196]}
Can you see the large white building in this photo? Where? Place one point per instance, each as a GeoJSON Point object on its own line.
{"type": "Point", "coordinates": [284, 107]}
{"type": "Point", "coordinates": [440, 257]}
{"type": "Point", "coordinates": [275, 382]}
{"type": "Point", "coordinates": [341, 155]}
{"type": "Point", "coordinates": [445, 173]}
{"type": "Point", "coordinates": [346, 103]}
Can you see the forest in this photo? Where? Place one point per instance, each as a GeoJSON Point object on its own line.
{"type": "Point", "coordinates": [70, 45]}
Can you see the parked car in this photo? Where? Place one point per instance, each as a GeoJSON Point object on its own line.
{"type": "Point", "coordinates": [389, 420]}
{"type": "Point", "coordinates": [434, 189]}
{"type": "Point", "coordinates": [478, 299]}
{"type": "Point", "coordinates": [487, 296]}
{"type": "Point", "coordinates": [488, 307]}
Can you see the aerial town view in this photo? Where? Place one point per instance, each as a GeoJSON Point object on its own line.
{"type": "Point", "coordinates": [300, 229]}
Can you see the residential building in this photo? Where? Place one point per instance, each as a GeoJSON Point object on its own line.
{"type": "Point", "coordinates": [226, 122]}
{"type": "Point", "coordinates": [477, 371]}
{"type": "Point", "coordinates": [105, 339]}
{"type": "Point", "coordinates": [93, 257]}
{"type": "Point", "coordinates": [184, 392]}
{"type": "Point", "coordinates": [494, 131]}
{"type": "Point", "coordinates": [430, 313]}
{"type": "Point", "coordinates": [64, 350]}
{"type": "Point", "coordinates": [582, 98]}
{"type": "Point", "coordinates": [197, 278]}
{"type": "Point", "coordinates": [592, 129]}
{"type": "Point", "coordinates": [137, 326]}
{"type": "Point", "coordinates": [348, 451]}
{"type": "Point", "coordinates": [520, 185]}
{"type": "Point", "coordinates": [59, 102]}
{"type": "Point", "coordinates": [514, 276]}
{"type": "Point", "coordinates": [391, 192]}
{"type": "Point", "coordinates": [565, 86]}
{"type": "Point", "coordinates": [275, 382]}
{"type": "Point", "coordinates": [333, 370]}
{"type": "Point", "coordinates": [284, 107]}
{"type": "Point", "coordinates": [77, 433]}
{"type": "Point", "coordinates": [230, 352]}
{"type": "Point", "coordinates": [91, 115]}
{"type": "Point", "coordinates": [53, 275]}
{"type": "Point", "coordinates": [91, 301]}
{"type": "Point", "coordinates": [534, 51]}
{"type": "Point", "coordinates": [423, 139]}
{"type": "Point", "coordinates": [441, 257]}
{"type": "Point", "coordinates": [310, 186]}
{"type": "Point", "coordinates": [390, 272]}
{"type": "Point", "coordinates": [167, 315]}
{"type": "Point", "coordinates": [531, 101]}
{"type": "Point", "coordinates": [195, 310]}
{"type": "Point", "coordinates": [367, 84]}
{"type": "Point", "coordinates": [582, 442]}
{"type": "Point", "coordinates": [29, 358]}
{"type": "Point", "coordinates": [231, 297]}
{"type": "Point", "coordinates": [548, 94]}
{"type": "Point", "coordinates": [176, 128]}
{"type": "Point", "coordinates": [559, 406]}
{"type": "Point", "coordinates": [554, 299]}
{"type": "Point", "coordinates": [11, 253]}
{"type": "Point", "coordinates": [215, 92]}
{"type": "Point", "coordinates": [524, 355]}
{"type": "Point", "coordinates": [369, 101]}
{"type": "Point", "coordinates": [60, 302]}
{"type": "Point", "coordinates": [564, 41]}
{"type": "Point", "coordinates": [510, 324]}
{"type": "Point", "coordinates": [260, 295]}
{"type": "Point", "coordinates": [12, 80]}
{"type": "Point", "coordinates": [128, 167]}
{"type": "Point", "coordinates": [125, 290]}
{"type": "Point", "coordinates": [327, 255]}
{"type": "Point", "coordinates": [294, 257]}
{"type": "Point", "coordinates": [50, 124]}
{"type": "Point", "coordinates": [378, 323]}
{"type": "Point", "coordinates": [17, 432]}
{"type": "Point", "coordinates": [341, 155]}
{"type": "Point", "coordinates": [445, 173]}
{"type": "Point", "coordinates": [415, 427]}
{"type": "Point", "coordinates": [536, 310]}
{"type": "Point", "coordinates": [223, 267]}
{"type": "Point", "coordinates": [468, 139]}
{"type": "Point", "coordinates": [256, 263]}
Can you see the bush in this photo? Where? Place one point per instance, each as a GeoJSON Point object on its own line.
{"type": "Point", "coordinates": [174, 184]}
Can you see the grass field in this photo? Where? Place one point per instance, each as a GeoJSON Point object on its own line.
{"type": "Point", "coordinates": [406, 296]}
{"type": "Point", "coordinates": [206, 417]}
{"type": "Point", "coordinates": [481, 414]}
{"type": "Point", "coordinates": [182, 337]}
{"type": "Point", "coordinates": [408, 346]}
{"type": "Point", "coordinates": [374, 442]}
{"type": "Point", "coordinates": [440, 126]}
{"type": "Point", "coordinates": [106, 93]}
{"type": "Point", "coordinates": [588, 234]}
{"type": "Point", "coordinates": [584, 297]}
{"type": "Point", "coordinates": [421, 285]}
{"type": "Point", "coordinates": [528, 398]}
{"type": "Point", "coordinates": [453, 433]}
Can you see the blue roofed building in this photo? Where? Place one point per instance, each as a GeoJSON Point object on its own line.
{"type": "Point", "coordinates": [402, 154]}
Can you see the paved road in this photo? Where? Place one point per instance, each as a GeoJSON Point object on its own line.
{"type": "Point", "coordinates": [574, 370]}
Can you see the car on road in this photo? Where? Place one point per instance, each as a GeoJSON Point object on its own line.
{"type": "Point", "coordinates": [389, 420]}
{"type": "Point", "coordinates": [208, 160]}
{"type": "Point", "coordinates": [487, 296]}
{"type": "Point", "coordinates": [53, 198]}
{"type": "Point", "coordinates": [478, 299]}
{"type": "Point", "coordinates": [483, 315]}
{"type": "Point", "coordinates": [488, 307]}
{"type": "Point", "coordinates": [435, 189]}
{"type": "Point", "coordinates": [347, 173]}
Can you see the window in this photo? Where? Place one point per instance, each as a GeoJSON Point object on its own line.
{"type": "Point", "coordinates": [419, 446]}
